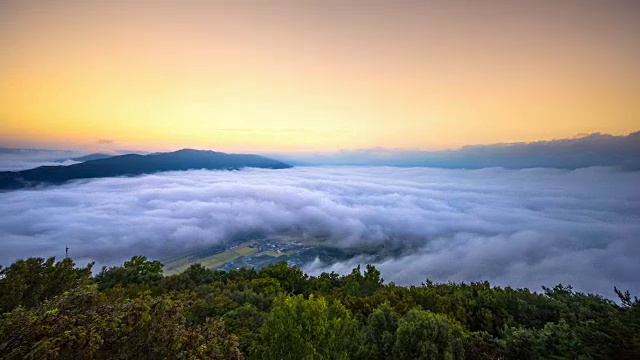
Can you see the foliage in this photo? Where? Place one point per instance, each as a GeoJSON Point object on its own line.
{"type": "Point", "coordinates": [137, 271]}
{"type": "Point", "coordinates": [84, 324]}
{"type": "Point", "coordinates": [425, 335]}
{"type": "Point", "coordinates": [379, 333]}
{"type": "Point", "coordinates": [29, 282]}
{"type": "Point", "coordinates": [55, 310]}
{"type": "Point", "coordinates": [299, 328]}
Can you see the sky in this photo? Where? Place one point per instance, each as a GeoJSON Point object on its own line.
{"type": "Point", "coordinates": [523, 228]}
{"type": "Point", "coordinates": [295, 76]}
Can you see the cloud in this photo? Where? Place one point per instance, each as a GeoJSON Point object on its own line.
{"type": "Point", "coordinates": [22, 159]}
{"type": "Point", "coordinates": [513, 227]}
{"type": "Point", "coordinates": [578, 152]}
{"type": "Point", "coordinates": [105, 141]}
{"type": "Point", "coordinates": [12, 159]}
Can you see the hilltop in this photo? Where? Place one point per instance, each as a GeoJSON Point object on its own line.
{"type": "Point", "coordinates": [134, 164]}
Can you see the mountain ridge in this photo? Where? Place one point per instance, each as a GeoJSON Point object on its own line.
{"type": "Point", "coordinates": [135, 164]}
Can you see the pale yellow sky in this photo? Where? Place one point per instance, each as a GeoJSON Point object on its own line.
{"type": "Point", "coordinates": [315, 75]}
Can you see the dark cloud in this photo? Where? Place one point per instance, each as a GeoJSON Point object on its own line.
{"type": "Point", "coordinates": [519, 227]}
{"type": "Point", "coordinates": [585, 151]}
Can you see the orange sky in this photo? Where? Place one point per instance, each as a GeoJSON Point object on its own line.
{"type": "Point", "coordinates": [315, 75]}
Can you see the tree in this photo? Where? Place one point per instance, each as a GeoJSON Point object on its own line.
{"type": "Point", "coordinates": [520, 343]}
{"type": "Point", "coordinates": [358, 284]}
{"type": "Point", "coordinates": [29, 282]}
{"type": "Point", "coordinates": [84, 324]}
{"type": "Point", "coordinates": [133, 312]}
{"type": "Point", "coordinates": [425, 335]}
{"type": "Point", "coordinates": [379, 333]}
{"type": "Point", "coordinates": [482, 346]}
{"type": "Point", "coordinates": [243, 322]}
{"type": "Point", "coordinates": [290, 279]}
{"type": "Point", "coordinates": [297, 328]}
{"type": "Point", "coordinates": [137, 271]}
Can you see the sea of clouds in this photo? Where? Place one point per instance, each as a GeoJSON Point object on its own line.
{"type": "Point", "coordinates": [19, 163]}
{"type": "Point", "coordinates": [521, 228]}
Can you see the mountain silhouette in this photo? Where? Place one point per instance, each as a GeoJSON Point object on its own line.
{"type": "Point", "coordinates": [94, 156]}
{"type": "Point", "coordinates": [134, 164]}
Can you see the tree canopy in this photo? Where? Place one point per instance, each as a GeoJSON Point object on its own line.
{"type": "Point", "coordinates": [55, 310]}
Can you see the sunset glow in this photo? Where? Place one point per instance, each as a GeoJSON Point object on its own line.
{"type": "Point", "coordinates": [300, 76]}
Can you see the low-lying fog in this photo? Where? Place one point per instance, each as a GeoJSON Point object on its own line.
{"type": "Point", "coordinates": [512, 227]}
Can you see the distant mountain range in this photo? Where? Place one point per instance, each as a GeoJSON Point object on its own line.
{"type": "Point", "coordinates": [596, 149]}
{"type": "Point", "coordinates": [134, 164]}
{"type": "Point", "coordinates": [94, 156]}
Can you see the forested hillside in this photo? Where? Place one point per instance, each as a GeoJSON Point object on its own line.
{"type": "Point", "coordinates": [54, 310]}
